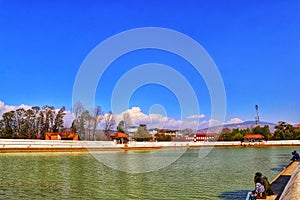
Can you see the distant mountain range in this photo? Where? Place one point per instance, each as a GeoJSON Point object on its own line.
{"type": "Point", "coordinates": [243, 125]}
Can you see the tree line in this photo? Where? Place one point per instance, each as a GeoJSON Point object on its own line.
{"type": "Point", "coordinates": [283, 131]}
{"type": "Point", "coordinates": [89, 124]}
{"type": "Point", "coordinates": [286, 131]}
{"type": "Point", "coordinates": [36, 121]}
{"type": "Point", "coordinates": [31, 123]}
{"type": "Point", "coordinates": [93, 124]}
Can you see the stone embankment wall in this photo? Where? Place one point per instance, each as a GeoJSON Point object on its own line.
{"type": "Point", "coordinates": [24, 144]}
{"type": "Point", "coordinates": [292, 189]}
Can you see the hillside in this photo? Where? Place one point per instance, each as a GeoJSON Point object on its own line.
{"type": "Point", "coordinates": [243, 125]}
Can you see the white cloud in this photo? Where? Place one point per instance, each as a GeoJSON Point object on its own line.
{"type": "Point", "coordinates": [6, 108]}
{"type": "Point", "coordinates": [196, 116]}
{"type": "Point", "coordinates": [135, 115]}
{"type": "Point", "coordinates": [68, 118]}
{"type": "Point", "coordinates": [159, 121]}
{"type": "Point", "coordinates": [234, 121]}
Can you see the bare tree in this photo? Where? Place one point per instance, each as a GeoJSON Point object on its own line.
{"type": "Point", "coordinates": [97, 117]}
{"type": "Point", "coordinates": [78, 109]}
{"type": "Point", "coordinates": [80, 116]}
{"type": "Point", "coordinates": [89, 125]}
{"type": "Point", "coordinates": [36, 125]}
{"type": "Point", "coordinates": [108, 123]}
{"type": "Point", "coordinates": [127, 121]}
{"type": "Point", "coordinates": [85, 122]}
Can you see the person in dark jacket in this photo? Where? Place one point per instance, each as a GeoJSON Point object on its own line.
{"type": "Point", "coordinates": [295, 156]}
{"type": "Point", "coordinates": [265, 182]}
{"type": "Point", "coordinates": [259, 192]}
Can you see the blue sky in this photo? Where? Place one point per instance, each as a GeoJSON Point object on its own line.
{"type": "Point", "coordinates": [255, 45]}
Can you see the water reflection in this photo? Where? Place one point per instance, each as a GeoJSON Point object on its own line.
{"type": "Point", "coordinates": [226, 173]}
{"type": "Point", "coordinates": [236, 195]}
{"type": "Point", "coordinates": [139, 161]}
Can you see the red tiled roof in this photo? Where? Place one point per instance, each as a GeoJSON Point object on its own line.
{"type": "Point", "coordinates": [119, 135]}
{"type": "Point", "coordinates": [205, 134]}
{"type": "Point", "coordinates": [253, 136]}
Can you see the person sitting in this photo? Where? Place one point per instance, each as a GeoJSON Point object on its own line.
{"type": "Point", "coordinates": [295, 156]}
{"type": "Point", "coordinates": [265, 182]}
{"type": "Point", "coordinates": [259, 192]}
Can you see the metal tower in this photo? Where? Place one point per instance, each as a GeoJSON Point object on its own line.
{"type": "Point", "coordinates": [257, 116]}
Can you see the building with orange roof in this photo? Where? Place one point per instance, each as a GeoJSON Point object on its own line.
{"type": "Point", "coordinates": [120, 137]}
{"type": "Point", "coordinates": [253, 138]}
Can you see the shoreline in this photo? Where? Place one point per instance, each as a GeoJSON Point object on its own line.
{"type": "Point", "coordinates": [31, 145]}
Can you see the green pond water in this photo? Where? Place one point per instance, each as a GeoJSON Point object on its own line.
{"type": "Point", "coordinates": [225, 173]}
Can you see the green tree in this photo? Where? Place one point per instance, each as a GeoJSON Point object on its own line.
{"type": "Point", "coordinates": [20, 122]}
{"type": "Point", "coordinates": [29, 124]}
{"type": "Point", "coordinates": [297, 134]}
{"type": "Point", "coordinates": [284, 131]}
{"type": "Point", "coordinates": [1, 128]}
{"type": "Point", "coordinates": [257, 130]}
{"type": "Point", "coordinates": [235, 134]}
{"type": "Point", "coordinates": [162, 137]}
{"type": "Point", "coordinates": [10, 125]}
{"type": "Point", "coordinates": [142, 133]}
{"type": "Point", "coordinates": [121, 127]}
{"type": "Point", "coordinates": [237, 137]}
{"type": "Point", "coordinates": [32, 122]}
{"type": "Point", "coordinates": [225, 134]}
{"type": "Point", "coordinates": [245, 131]}
{"type": "Point", "coordinates": [59, 120]}
{"type": "Point", "coordinates": [265, 131]}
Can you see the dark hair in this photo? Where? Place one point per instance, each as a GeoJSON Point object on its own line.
{"type": "Point", "coordinates": [258, 174]}
{"type": "Point", "coordinates": [258, 180]}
